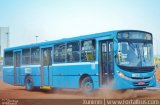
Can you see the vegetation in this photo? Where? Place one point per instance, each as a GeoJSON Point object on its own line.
{"type": "Point", "coordinates": [157, 62]}
{"type": "Point", "coordinates": [1, 59]}
{"type": "Point", "coordinates": [157, 59]}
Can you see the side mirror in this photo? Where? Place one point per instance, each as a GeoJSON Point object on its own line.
{"type": "Point", "coordinates": [115, 54]}
{"type": "Point", "coordinates": [156, 67]}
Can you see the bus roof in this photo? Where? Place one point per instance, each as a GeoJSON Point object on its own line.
{"type": "Point", "coordinates": [95, 35]}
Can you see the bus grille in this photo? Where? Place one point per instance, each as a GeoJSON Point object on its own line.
{"type": "Point", "coordinates": [140, 77]}
{"type": "Point", "coordinates": [136, 84]}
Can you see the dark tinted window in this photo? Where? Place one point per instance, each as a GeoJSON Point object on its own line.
{"type": "Point", "coordinates": [35, 57]}
{"type": "Point", "coordinates": [26, 56]}
{"type": "Point", "coordinates": [111, 56]}
{"type": "Point", "coordinates": [59, 53]}
{"type": "Point", "coordinates": [73, 54]}
{"type": "Point", "coordinates": [17, 59]}
{"type": "Point", "coordinates": [8, 60]}
{"type": "Point", "coordinates": [47, 56]}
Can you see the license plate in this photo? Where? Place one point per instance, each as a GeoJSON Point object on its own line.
{"type": "Point", "coordinates": [136, 75]}
{"type": "Point", "coordinates": [141, 83]}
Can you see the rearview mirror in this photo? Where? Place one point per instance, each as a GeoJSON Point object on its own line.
{"type": "Point", "coordinates": [156, 67]}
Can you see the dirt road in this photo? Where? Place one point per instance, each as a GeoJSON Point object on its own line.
{"type": "Point", "coordinates": [18, 92]}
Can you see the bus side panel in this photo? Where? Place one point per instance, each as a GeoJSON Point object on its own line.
{"type": "Point", "coordinates": [37, 80]}
{"type": "Point", "coordinates": [65, 81]}
{"type": "Point", "coordinates": [8, 75]}
{"type": "Point", "coordinates": [34, 72]}
{"type": "Point", "coordinates": [75, 69]}
{"type": "Point", "coordinates": [95, 81]}
{"type": "Point", "coordinates": [22, 77]}
{"type": "Point", "coordinates": [71, 81]}
{"type": "Point", "coordinates": [68, 76]}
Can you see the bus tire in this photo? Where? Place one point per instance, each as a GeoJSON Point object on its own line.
{"type": "Point", "coordinates": [87, 85]}
{"type": "Point", "coordinates": [29, 83]}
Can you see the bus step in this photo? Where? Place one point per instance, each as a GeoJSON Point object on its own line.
{"type": "Point", "coordinates": [46, 87]}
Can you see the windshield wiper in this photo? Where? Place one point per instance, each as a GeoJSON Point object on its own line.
{"type": "Point", "coordinates": [131, 45]}
{"type": "Point", "coordinates": [139, 53]}
{"type": "Point", "coordinates": [134, 47]}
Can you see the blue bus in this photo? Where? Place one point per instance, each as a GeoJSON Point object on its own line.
{"type": "Point", "coordinates": [121, 59]}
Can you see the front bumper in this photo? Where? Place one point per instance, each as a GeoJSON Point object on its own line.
{"type": "Point", "coordinates": [121, 83]}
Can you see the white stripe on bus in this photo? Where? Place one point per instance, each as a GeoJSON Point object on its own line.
{"type": "Point", "coordinates": [31, 66]}
{"type": "Point", "coordinates": [78, 63]}
{"type": "Point", "coordinates": [7, 67]}
{"type": "Point", "coordinates": [59, 64]}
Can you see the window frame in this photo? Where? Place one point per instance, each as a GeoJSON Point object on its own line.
{"type": "Point", "coordinates": [44, 57]}
{"type": "Point", "coordinates": [37, 63]}
{"type": "Point", "coordinates": [82, 42]}
{"type": "Point", "coordinates": [27, 56]}
{"type": "Point", "coordinates": [79, 51]}
{"type": "Point", "coordinates": [55, 49]}
{"type": "Point", "coordinates": [12, 59]}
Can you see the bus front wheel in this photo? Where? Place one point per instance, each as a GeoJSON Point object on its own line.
{"type": "Point", "coordinates": [29, 83]}
{"type": "Point", "coordinates": [87, 85]}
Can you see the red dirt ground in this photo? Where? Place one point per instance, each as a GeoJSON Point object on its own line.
{"type": "Point", "coordinates": [18, 92]}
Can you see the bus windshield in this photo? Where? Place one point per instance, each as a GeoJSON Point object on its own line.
{"type": "Point", "coordinates": [135, 53]}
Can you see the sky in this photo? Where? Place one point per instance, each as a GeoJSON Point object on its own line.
{"type": "Point", "coordinates": [56, 19]}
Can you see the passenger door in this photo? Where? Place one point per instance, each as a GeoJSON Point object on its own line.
{"type": "Point", "coordinates": [106, 60]}
{"type": "Point", "coordinates": [46, 58]}
{"type": "Point", "coordinates": [17, 64]}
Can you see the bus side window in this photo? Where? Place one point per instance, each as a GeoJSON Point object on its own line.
{"type": "Point", "coordinates": [26, 56]}
{"type": "Point", "coordinates": [35, 55]}
{"type": "Point", "coordinates": [73, 52]}
{"type": "Point", "coordinates": [59, 53]}
{"type": "Point", "coordinates": [8, 58]}
{"type": "Point", "coordinates": [88, 50]}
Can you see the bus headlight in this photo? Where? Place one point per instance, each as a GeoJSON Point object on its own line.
{"type": "Point", "coordinates": [121, 74]}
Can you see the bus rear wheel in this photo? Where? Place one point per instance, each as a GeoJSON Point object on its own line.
{"type": "Point", "coordinates": [29, 83]}
{"type": "Point", "coordinates": [87, 85]}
